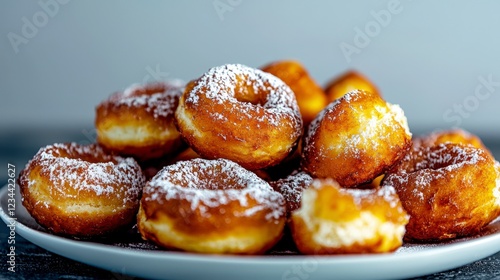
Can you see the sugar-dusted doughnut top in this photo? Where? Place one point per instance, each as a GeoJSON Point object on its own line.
{"type": "Point", "coordinates": [250, 94]}
{"type": "Point", "coordinates": [208, 184]}
{"type": "Point", "coordinates": [73, 170]}
{"type": "Point", "coordinates": [160, 99]}
{"type": "Point", "coordinates": [241, 114]}
{"type": "Point", "coordinates": [449, 190]}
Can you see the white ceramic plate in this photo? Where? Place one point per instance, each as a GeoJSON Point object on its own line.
{"type": "Point", "coordinates": [134, 257]}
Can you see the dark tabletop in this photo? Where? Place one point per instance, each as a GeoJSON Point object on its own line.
{"type": "Point", "coordinates": [33, 262]}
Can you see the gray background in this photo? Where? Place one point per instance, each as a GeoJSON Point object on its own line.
{"type": "Point", "coordinates": [429, 57]}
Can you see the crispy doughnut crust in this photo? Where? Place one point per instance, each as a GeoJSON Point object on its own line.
{"type": "Point", "coordinates": [211, 206]}
{"type": "Point", "coordinates": [335, 220]}
{"type": "Point", "coordinates": [242, 114]}
{"type": "Point", "coordinates": [355, 139]}
{"type": "Point", "coordinates": [349, 81]}
{"type": "Point", "coordinates": [80, 190]}
{"type": "Point", "coordinates": [310, 96]}
{"type": "Point", "coordinates": [449, 190]}
{"type": "Point", "coordinates": [139, 121]}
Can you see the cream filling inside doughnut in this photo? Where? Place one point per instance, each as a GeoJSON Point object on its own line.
{"type": "Point", "coordinates": [332, 234]}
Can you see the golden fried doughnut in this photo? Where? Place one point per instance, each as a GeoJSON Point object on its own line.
{"type": "Point", "coordinates": [449, 190]}
{"type": "Point", "coordinates": [139, 122]}
{"type": "Point", "coordinates": [349, 81]}
{"type": "Point", "coordinates": [80, 190]}
{"type": "Point", "coordinates": [242, 114]}
{"type": "Point", "coordinates": [355, 139]}
{"type": "Point", "coordinates": [310, 96]}
{"type": "Point", "coordinates": [211, 206]}
{"type": "Point", "coordinates": [457, 135]}
{"type": "Point", "coordinates": [334, 220]}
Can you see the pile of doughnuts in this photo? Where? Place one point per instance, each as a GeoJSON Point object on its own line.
{"type": "Point", "coordinates": [238, 158]}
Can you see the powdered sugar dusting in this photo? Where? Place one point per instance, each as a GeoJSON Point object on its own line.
{"type": "Point", "coordinates": [449, 157]}
{"type": "Point", "coordinates": [292, 188]}
{"type": "Point", "coordinates": [378, 122]}
{"type": "Point", "coordinates": [160, 98]}
{"type": "Point", "coordinates": [211, 183]}
{"type": "Point", "coordinates": [88, 169]}
{"type": "Point", "coordinates": [229, 84]}
{"type": "Point", "coordinates": [424, 164]}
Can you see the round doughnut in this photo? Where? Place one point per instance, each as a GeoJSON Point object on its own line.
{"type": "Point", "coordinates": [310, 96]}
{"type": "Point", "coordinates": [242, 114]}
{"type": "Point", "coordinates": [355, 139]}
{"type": "Point", "coordinates": [211, 206]}
{"type": "Point", "coordinates": [139, 121]}
{"type": "Point", "coordinates": [349, 81]}
{"type": "Point", "coordinates": [291, 188]}
{"type": "Point", "coordinates": [335, 220]}
{"type": "Point", "coordinates": [81, 191]}
{"type": "Point", "coordinates": [456, 135]}
{"type": "Point", "coordinates": [449, 190]}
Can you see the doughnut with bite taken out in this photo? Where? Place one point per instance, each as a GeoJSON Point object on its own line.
{"type": "Point", "coordinates": [335, 220]}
